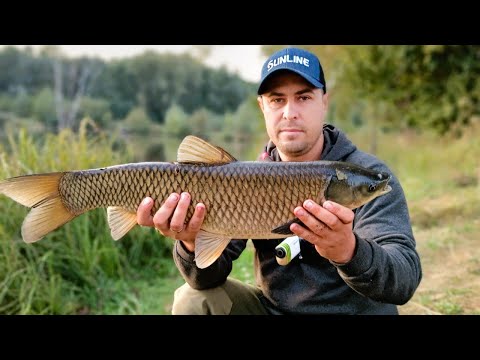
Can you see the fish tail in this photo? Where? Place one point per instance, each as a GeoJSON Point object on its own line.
{"type": "Point", "coordinates": [41, 194]}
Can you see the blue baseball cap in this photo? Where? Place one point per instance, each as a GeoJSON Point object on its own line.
{"type": "Point", "coordinates": [302, 62]}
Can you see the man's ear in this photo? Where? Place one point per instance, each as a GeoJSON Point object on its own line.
{"type": "Point", "coordinates": [325, 100]}
{"type": "Point", "coordinates": [260, 102]}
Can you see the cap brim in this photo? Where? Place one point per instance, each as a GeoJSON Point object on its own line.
{"type": "Point", "coordinates": [310, 79]}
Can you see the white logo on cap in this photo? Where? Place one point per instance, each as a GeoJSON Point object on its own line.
{"type": "Point", "coordinates": [287, 59]}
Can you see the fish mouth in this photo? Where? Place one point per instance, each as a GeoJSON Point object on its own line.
{"type": "Point", "coordinates": [387, 188]}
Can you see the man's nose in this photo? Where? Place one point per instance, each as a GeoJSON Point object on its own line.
{"type": "Point", "coordinates": [290, 111]}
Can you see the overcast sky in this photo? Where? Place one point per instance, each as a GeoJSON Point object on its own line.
{"type": "Point", "coordinates": [245, 60]}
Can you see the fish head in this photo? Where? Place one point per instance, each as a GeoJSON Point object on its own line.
{"type": "Point", "coordinates": [353, 186]}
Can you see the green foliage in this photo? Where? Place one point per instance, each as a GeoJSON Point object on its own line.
{"type": "Point", "coordinates": [428, 164]}
{"type": "Point", "coordinates": [400, 91]}
{"type": "Point", "coordinates": [137, 121]}
{"type": "Point", "coordinates": [176, 122]}
{"type": "Point", "coordinates": [72, 269]}
{"type": "Point", "coordinates": [6, 104]}
{"type": "Point", "coordinates": [201, 123]}
{"type": "Point", "coordinates": [22, 105]}
{"type": "Point", "coordinates": [243, 132]}
{"type": "Point", "coordinates": [116, 84]}
{"type": "Point", "coordinates": [156, 81]}
{"type": "Point", "coordinates": [419, 86]}
{"type": "Point", "coordinates": [21, 71]}
{"type": "Point", "coordinates": [44, 108]}
{"type": "Point", "coordinates": [96, 109]}
{"type": "Point", "coordinates": [151, 81]}
{"type": "Point", "coordinates": [78, 269]}
{"type": "Point", "coordinates": [243, 267]}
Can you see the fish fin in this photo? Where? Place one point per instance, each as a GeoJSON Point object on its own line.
{"type": "Point", "coordinates": [196, 150]}
{"type": "Point", "coordinates": [31, 190]}
{"type": "Point", "coordinates": [285, 228]}
{"type": "Point", "coordinates": [41, 220]}
{"type": "Point", "coordinates": [120, 221]}
{"type": "Point", "coordinates": [209, 247]}
{"type": "Point", "coordinates": [39, 192]}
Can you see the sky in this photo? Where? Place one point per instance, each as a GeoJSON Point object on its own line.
{"type": "Point", "coordinates": [244, 60]}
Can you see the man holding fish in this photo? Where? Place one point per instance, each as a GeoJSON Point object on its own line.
{"type": "Point", "coordinates": [358, 259]}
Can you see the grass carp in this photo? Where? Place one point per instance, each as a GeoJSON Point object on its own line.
{"type": "Point", "coordinates": [243, 199]}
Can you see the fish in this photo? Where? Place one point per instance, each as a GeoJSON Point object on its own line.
{"type": "Point", "coordinates": [243, 199]}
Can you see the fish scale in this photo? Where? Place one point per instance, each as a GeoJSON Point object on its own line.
{"type": "Point", "coordinates": [235, 195]}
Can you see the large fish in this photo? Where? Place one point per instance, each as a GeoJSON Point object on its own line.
{"type": "Point", "coordinates": [243, 199]}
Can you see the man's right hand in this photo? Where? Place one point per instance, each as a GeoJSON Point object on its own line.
{"type": "Point", "coordinates": [170, 218]}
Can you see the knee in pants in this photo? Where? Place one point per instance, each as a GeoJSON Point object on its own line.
{"type": "Point", "coordinates": [189, 301]}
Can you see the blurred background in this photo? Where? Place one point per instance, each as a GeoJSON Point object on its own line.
{"type": "Point", "coordinates": [72, 107]}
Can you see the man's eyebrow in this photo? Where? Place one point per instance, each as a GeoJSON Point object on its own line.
{"type": "Point", "coordinates": [306, 90]}
{"type": "Point", "coordinates": [300, 92]}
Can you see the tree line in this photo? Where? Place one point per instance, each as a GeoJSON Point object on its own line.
{"type": "Point", "coordinates": [402, 86]}
{"type": "Point", "coordinates": [162, 95]}
{"type": "Point", "coordinates": [384, 87]}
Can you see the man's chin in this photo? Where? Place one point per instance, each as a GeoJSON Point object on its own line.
{"type": "Point", "coordinates": [291, 148]}
{"type": "Point", "coordinates": [291, 139]}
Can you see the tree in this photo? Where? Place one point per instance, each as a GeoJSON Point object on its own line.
{"type": "Point", "coordinates": [43, 108]}
{"type": "Point", "coordinates": [176, 122]}
{"type": "Point", "coordinates": [417, 86]}
{"type": "Point", "coordinates": [78, 77]}
{"type": "Point", "coordinates": [137, 122]}
{"type": "Point", "coordinates": [422, 86]}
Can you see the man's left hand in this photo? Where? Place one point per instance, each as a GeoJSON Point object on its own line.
{"type": "Point", "coordinates": [328, 228]}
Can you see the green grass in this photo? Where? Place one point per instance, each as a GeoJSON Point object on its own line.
{"type": "Point", "coordinates": [79, 269]}
{"type": "Point", "coordinates": [152, 294]}
{"type": "Point", "coordinates": [243, 266]}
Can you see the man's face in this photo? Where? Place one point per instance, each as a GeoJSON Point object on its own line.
{"type": "Point", "coordinates": [294, 114]}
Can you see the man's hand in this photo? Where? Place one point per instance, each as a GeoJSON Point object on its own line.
{"type": "Point", "coordinates": [329, 228]}
{"type": "Point", "coordinates": [170, 218]}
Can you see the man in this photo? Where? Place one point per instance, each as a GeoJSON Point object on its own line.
{"type": "Point", "coordinates": [353, 262]}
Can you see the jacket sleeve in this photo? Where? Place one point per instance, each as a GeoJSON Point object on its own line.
{"type": "Point", "coordinates": [212, 276]}
{"type": "Point", "coordinates": [386, 266]}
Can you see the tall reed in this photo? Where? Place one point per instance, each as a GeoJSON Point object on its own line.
{"type": "Point", "coordinates": [67, 270]}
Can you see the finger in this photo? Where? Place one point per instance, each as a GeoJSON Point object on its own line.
{"type": "Point", "coordinates": [177, 224]}
{"type": "Point", "coordinates": [144, 215]}
{"type": "Point", "coordinates": [160, 219]}
{"type": "Point", "coordinates": [197, 219]}
{"type": "Point", "coordinates": [344, 214]}
{"type": "Point", "coordinates": [304, 233]}
{"type": "Point", "coordinates": [318, 212]}
{"type": "Point", "coordinates": [311, 222]}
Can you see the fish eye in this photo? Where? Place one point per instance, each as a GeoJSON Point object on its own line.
{"type": "Point", "coordinates": [372, 187]}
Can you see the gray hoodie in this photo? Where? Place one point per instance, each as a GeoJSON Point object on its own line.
{"type": "Point", "coordinates": [384, 272]}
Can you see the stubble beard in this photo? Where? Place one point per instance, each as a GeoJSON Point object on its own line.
{"type": "Point", "coordinates": [293, 149]}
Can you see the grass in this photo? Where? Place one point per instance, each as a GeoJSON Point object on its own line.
{"type": "Point", "coordinates": [78, 269]}
{"type": "Point", "coordinates": [450, 255]}
{"type": "Point", "coordinates": [151, 294]}
{"type": "Point", "coordinates": [440, 177]}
